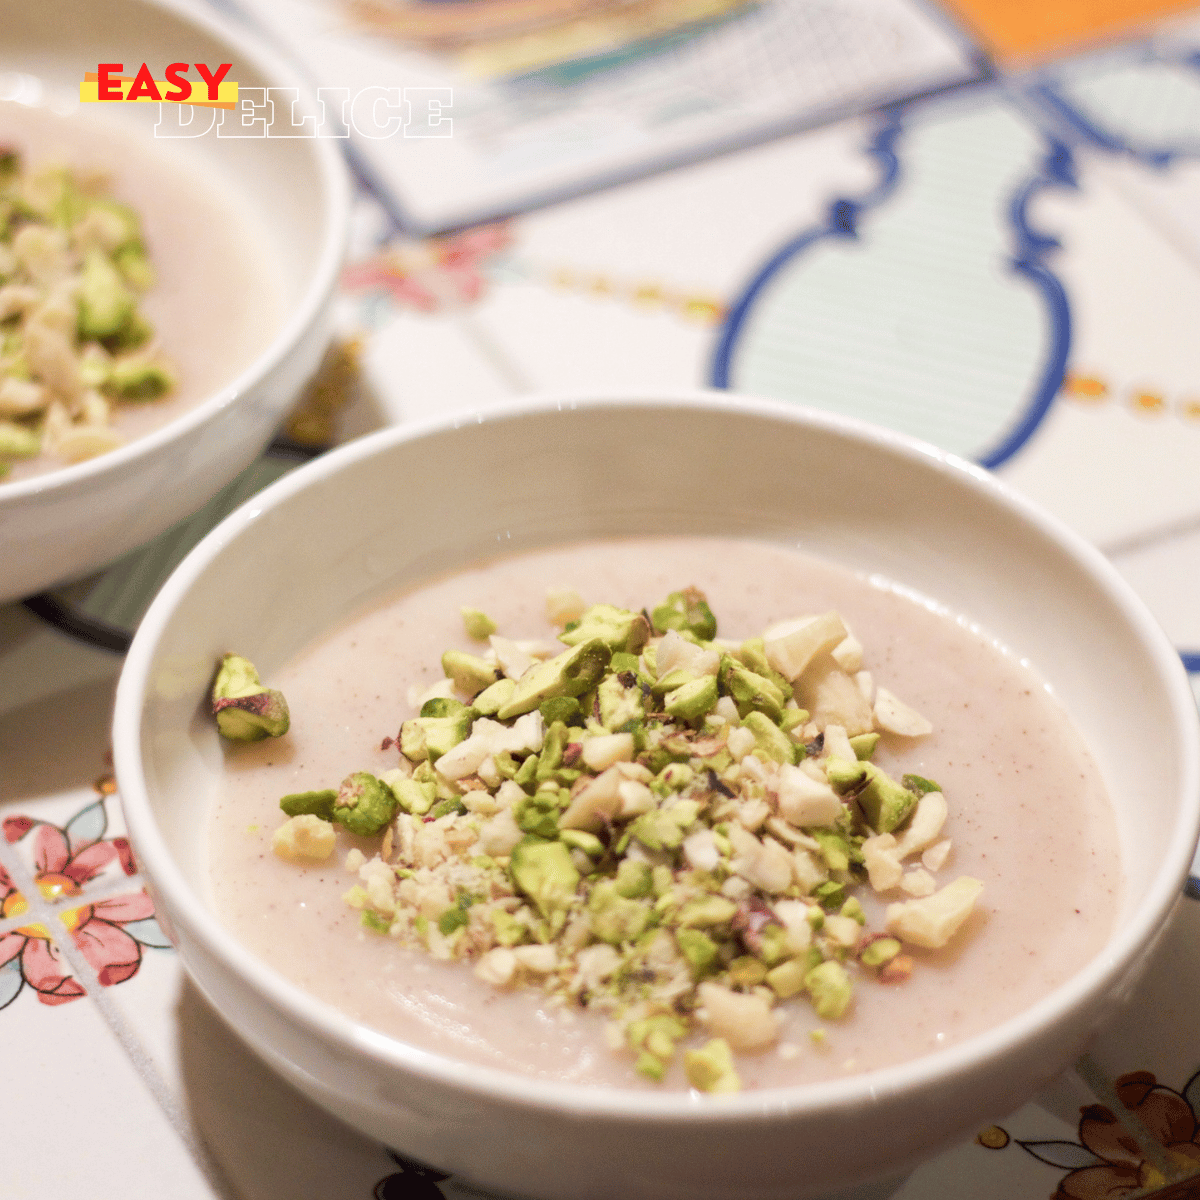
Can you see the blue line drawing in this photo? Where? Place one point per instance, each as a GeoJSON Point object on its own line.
{"type": "Point", "coordinates": [1145, 107]}
{"type": "Point", "coordinates": [1005, 398]}
{"type": "Point", "coordinates": [842, 222]}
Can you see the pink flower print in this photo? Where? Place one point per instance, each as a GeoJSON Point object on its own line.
{"type": "Point", "coordinates": [29, 956]}
{"type": "Point", "coordinates": [111, 934]}
{"type": "Point", "coordinates": [67, 858]}
{"type": "Point", "coordinates": [440, 273]}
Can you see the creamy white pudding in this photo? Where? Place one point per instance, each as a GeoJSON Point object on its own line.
{"type": "Point", "coordinates": [1029, 816]}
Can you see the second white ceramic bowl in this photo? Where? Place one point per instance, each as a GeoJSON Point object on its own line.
{"type": "Point", "coordinates": [400, 507]}
{"type": "Point", "coordinates": [72, 520]}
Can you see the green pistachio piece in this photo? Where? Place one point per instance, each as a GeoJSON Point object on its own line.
{"type": "Point", "coordinates": [618, 704]}
{"type": "Point", "coordinates": [700, 951]}
{"type": "Point", "coordinates": [772, 944]}
{"type": "Point", "coordinates": [885, 804]}
{"type": "Point", "coordinates": [879, 952]}
{"type": "Point", "coordinates": [414, 796]}
{"type": "Point", "coordinates": [471, 674]}
{"type": "Point", "coordinates": [746, 972]}
{"type": "Point", "coordinates": [623, 661]}
{"type": "Point", "coordinates": [580, 839]}
{"type": "Point", "coordinates": [618, 628]}
{"type": "Point", "coordinates": [792, 718]}
{"type": "Point", "coordinates": [916, 783]}
{"type": "Point", "coordinates": [674, 777]}
{"type": "Point", "coordinates": [830, 895]}
{"type": "Point", "coordinates": [553, 744]}
{"type": "Point", "coordinates": [615, 918]}
{"type": "Point", "coordinates": [538, 814]}
{"type": "Point", "coordinates": [659, 830]}
{"type": "Point", "coordinates": [443, 706]}
{"type": "Point", "coordinates": [853, 909]}
{"type": "Point", "coordinates": [138, 378]}
{"type": "Point", "coordinates": [375, 922]}
{"type": "Point", "coordinates": [864, 745]}
{"type": "Point", "coordinates": [134, 334]}
{"type": "Point", "coordinates": [477, 623]}
{"type": "Point", "coordinates": [787, 979]}
{"type": "Point", "coordinates": [562, 709]}
{"type": "Point", "coordinates": [364, 805]}
{"type": "Point", "coordinates": [693, 699]}
{"type": "Point", "coordinates": [710, 1069]}
{"type": "Point", "coordinates": [104, 302]}
{"type": "Point", "coordinates": [317, 804]}
{"type": "Point", "coordinates": [493, 698]}
{"type": "Point", "coordinates": [18, 442]}
{"type": "Point", "coordinates": [131, 260]}
{"type": "Point", "coordinates": [246, 711]}
{"type": "Point", "coordinates": [655, 1037]}
{"type": "Point", "coordinates": [634, 880]}
{"type": "Point", "coordinates": [527, 771]}
{"type": "Point", "coordinates": [769, 740]}
{"type": "Point", "coordinates": [835, 850]}
{"type": "Point", "coordinates": [509, 931]}
{"type": "Point", "coordinates": [829, 988]}
{"type": "Point", "coordinates": [753, 655]}
{"type": "Point", "coordinates": [686, 610]}
{"type": "Point", "coordinates": [706, 911]}
{"type": "Point", "coordinates": [571, 673]}
{"type": "Point", "coordinates": [750, 692]}
{"type": "Point", "coordinates": [441, 727]}
{"type": "Point", "coordinates": [544, 872]}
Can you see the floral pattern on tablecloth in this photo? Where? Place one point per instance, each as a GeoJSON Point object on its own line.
{"type": "Point", "coordinates": [1151, 1148]}
{"type": "Point", "coordinates": [111, 933]}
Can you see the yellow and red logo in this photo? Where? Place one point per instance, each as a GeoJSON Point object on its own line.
{"type": "Point", "coordinates": [211, 90]}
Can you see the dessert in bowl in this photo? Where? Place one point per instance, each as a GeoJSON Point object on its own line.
{"type": "Point", "coordinates": [411, 508]}
{"type": "Point", "coordinates": [165, 297]}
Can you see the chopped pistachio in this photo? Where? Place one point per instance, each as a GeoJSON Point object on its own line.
{"type": "Point", "coordinates": [571, 673]}
{"type": "Point", "coordinates": [494, 697]}
{"type": "Point", "coordinates": [787, 979]}
{"type": "Point", "coordinates": [688, 610]}
{"type": "Point", "coordinates": [413, 795]}
{"type": "Point", "coordinates": [769, 740]}
{"type": "Point", "coordinates": [544, 872]}
{"type": "Point", "coordinates": [880, 951]}
{"type": "Point", "coordinates": [471, 674]}
{"type": "Point", "coordinates": [16, 441]}
{"type": "Point", "coordinates": [365, 805]}
{"type": "Point", "coordinates": [618, 628]}
{"type": "Point", "coordinates": [691, 700]}
{"type": "Point", "coordinates": [319, 803]}
{"type": "Point", "coordinates": [477, 623]}
{"type": "Point", "coordinates": [616, 919]}
{"type": "Point", "coordinates": [864, 747]}
{"type": "Point", "coordinates": [750, 692]}
{"type": "Point", "coordinates": [137, 378]}
{"type": "Point", "coordinates": [710, 1069]}
{"type": "Point", "coordinates": [830, 989]}
{"type": "Point", "coordinates": [885, 804]}
{"type": "Point", "coordinates": [105, 302]}
{"type": "Point", "coordinates": [246, 711]}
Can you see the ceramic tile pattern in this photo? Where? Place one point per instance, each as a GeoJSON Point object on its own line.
{"type": "Point", "coordinates": [769, 267]}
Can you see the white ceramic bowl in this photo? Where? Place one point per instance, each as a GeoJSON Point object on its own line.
{"type": "Point", "coordinates": [70, 521]}
{"type": "Point", "coordinates": [398, 507]}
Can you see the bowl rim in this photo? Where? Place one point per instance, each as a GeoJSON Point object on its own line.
{"type": "Point", "coordinates": [334, 193]}
{"type": "Point", "coordinates": [1096, 979]}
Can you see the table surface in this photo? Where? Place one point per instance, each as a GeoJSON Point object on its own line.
{"type": "Point", "coordinates": [1035, 234]}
